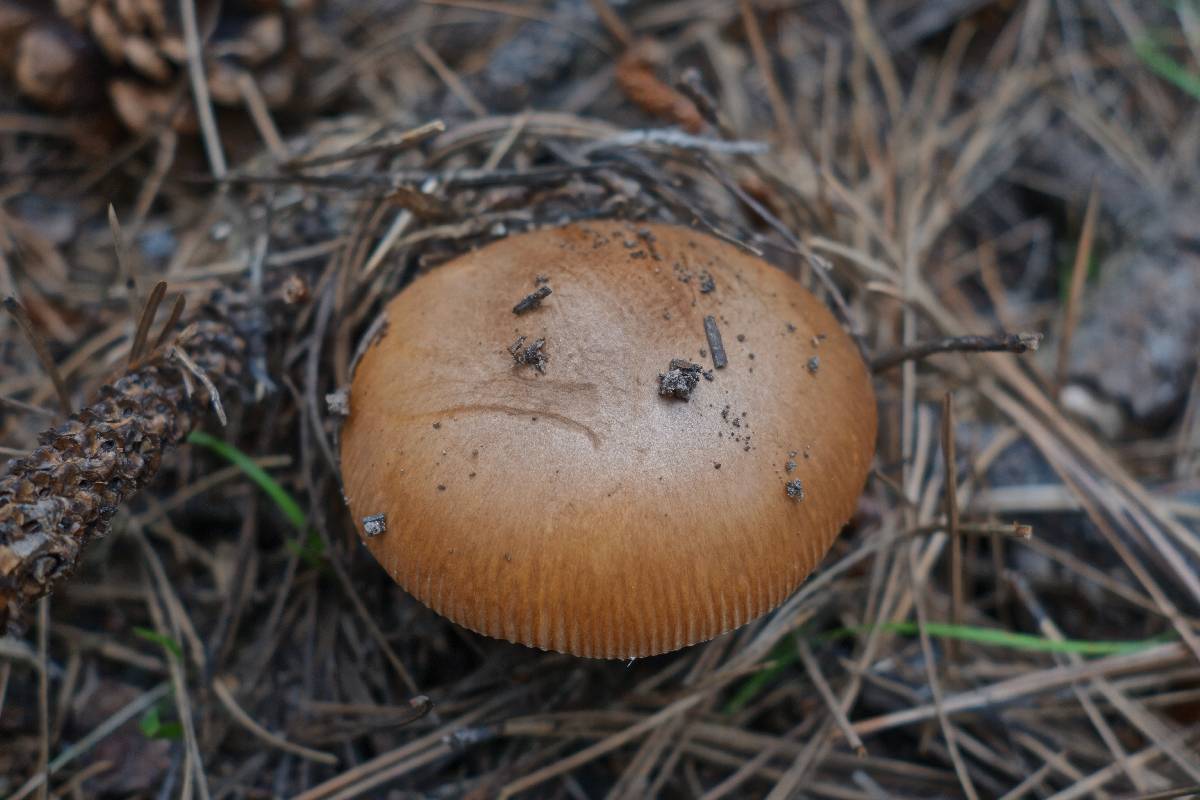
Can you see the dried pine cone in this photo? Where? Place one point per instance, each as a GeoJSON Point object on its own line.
{"type": "Point", "coordinates": [62, 495]}
{"type": "Point", "coordinates": [131, 54]}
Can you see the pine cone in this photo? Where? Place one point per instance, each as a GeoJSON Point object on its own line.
{"type": "Point", "coordinates": [63, 494]}
{"type": "Point", "coordinates": [131, 54]}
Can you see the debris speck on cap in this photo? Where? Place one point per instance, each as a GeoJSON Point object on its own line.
{"type": "Point", "coordinates": [338, 402]}
{"type": "Point", "coordinates": [374, 524]}
{"type": "Point", "coordinates": [531, 355]}
{"type": "Point", "coordinates": [795, 490]}
{"type": "Point", "coordinates": [814, 364]}
{"type": "Point", "coordinates": [680, 379]}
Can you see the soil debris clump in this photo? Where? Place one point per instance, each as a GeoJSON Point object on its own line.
{"type": "Point", "coordinates": [680, 379]}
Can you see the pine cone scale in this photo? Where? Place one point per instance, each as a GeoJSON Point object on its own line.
{"type": "Point", "coordinates": [78, 53]}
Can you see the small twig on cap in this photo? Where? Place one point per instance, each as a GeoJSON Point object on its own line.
{"type": "Point", "coordinates": [1004, 343]}
{"type": "Point", "coordinates": [532, 300]}
{"type": "Point", "coordinates": [715, 345]}
{"type": "Point", "coordinates": [18, 312]}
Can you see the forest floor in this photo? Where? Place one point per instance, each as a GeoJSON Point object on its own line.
{"type": "Point", "coordinates": [1014, 611]}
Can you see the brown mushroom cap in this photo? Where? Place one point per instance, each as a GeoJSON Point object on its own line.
{"type": "Point", "coordinates": [578, 510]}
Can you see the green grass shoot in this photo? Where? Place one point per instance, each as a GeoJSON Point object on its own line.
{"type": "Point", "coordinates": [286, 503]}
{"type": "Point", "coordinates": [1167, 68]}
{"type": "Point", "coordinates": [309, 546]}
{"type": "Point", "coordinates": [152, 726]}
{"type": "Point", "coordinates": [785, 653]}
{"type": "Point", "coordinates": [160, 639]}
{"type": "Point", "coordinates": [310, 549]}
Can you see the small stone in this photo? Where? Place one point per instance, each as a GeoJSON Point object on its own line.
{"type": "Point", "coordinates": [814, 364]}
{"type": "Point", "coordinates": [795, 490]}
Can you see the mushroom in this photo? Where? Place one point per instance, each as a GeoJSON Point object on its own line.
{"type": "Point", "coordinates": [575, 507]}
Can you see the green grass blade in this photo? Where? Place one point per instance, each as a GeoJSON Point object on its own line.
{"type": "Point", "coordinates": [286, 503]}
{"type": "Point", "coordinates": [1167, 68]}
{"type": "Point", "coordinates": [753, 685]}
{"type": "Point", "coordinates": [152, 726]}
{"type": "Point", "coordinates": [310, 549]}
{"type": "Point", "coordinates": [1020, 641]}
{"type": "Point", "coordinates": [785, 654]}
{"type": "Point", "coordinates": [160, 639]}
